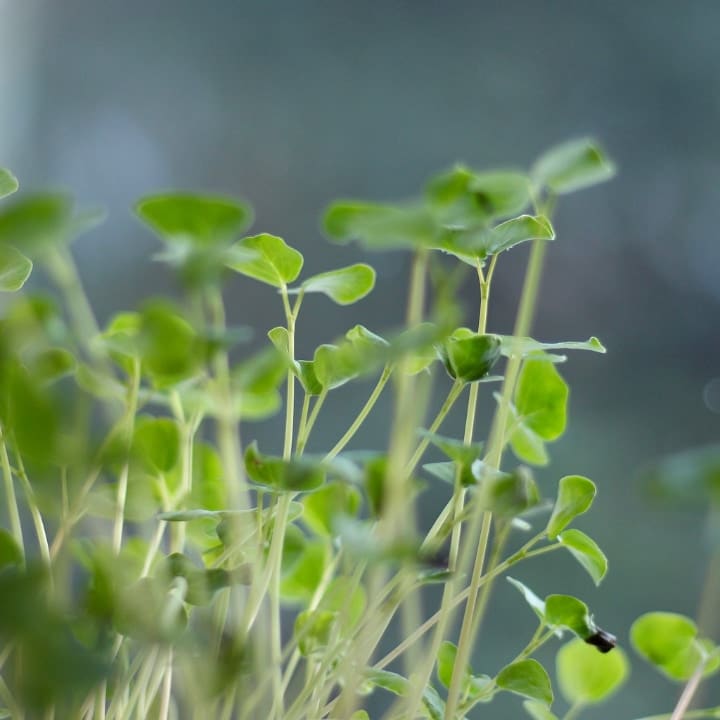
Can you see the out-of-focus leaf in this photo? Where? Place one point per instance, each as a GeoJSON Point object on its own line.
{"type": "Point", "coordinates": [572, 166]}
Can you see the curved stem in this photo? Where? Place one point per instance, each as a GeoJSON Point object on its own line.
{"type": "Point", "coordinates": [360, 419]}
{"type": "Point", "coordinates": [688, 692]}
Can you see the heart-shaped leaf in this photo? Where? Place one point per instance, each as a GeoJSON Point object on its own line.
{"type": "Point", "coordinates": [274, 263]}
{"type": "Point", "coordinates": [586, 676]}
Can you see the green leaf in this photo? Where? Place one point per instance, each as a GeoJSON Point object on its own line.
{"type": "Point", "coordinates": [345, 286]}
{"type": "Point", "coordinates": [36, 223]}
{"type": "Point", "coordinates": [156, 443]}
{"type": "Point", "coordinates": [201, 220]}
{"type": "Point", "coordinates": [323, 506]}
{"type": "Point", "coordinates": [461, 453]}
{"type": "Point", "coordinates": [541, 399]}
{"type": "Point", "coordinates": [473, 687]}
{"type": "Point", "coordinates": [586, 676]}
{"type": "Point", "coordinates": [510, 494]}
{"type": "Point", "coordinates": [275, 262]}
{"type": "Point", "coordinates": [527, 347]}
{"type": "Point", "coordinates": [15, 269]}
{"type": "Point", "coordinates": [572, 166]}
{"type": "Point", "coordinates": [469, 356]}
{"type": "Point", "coordinates": [575, 496]}
{"type": "Point", "coordinates": [10, 552]}
{"type": "Point", "coordinates": [380, 226]}
{"type": "Point", "coordinates": [538, 711]}
{"type": "Point", "coordinates": [8, 183]}
{"type": "Point", "coordinates": [537, 605]}
{"type": "Point", "coordinates": [302, 580]}
{"type": "Point", "coordinates": [666, 640]}
{"type": "Point", "coordinates": [587, 552]}
{"type": "Point", "coordinates": [474, 244]}
{"type": "Point", "coordinates": [294, 475]}
{"type": "Point", "coordinates": [527, 678]}
{"type": "Point", "coordinates": [569, 612]}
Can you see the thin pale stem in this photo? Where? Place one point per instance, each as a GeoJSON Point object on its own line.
{"type": "Point", "coordinates": [362, 415]}
{"type": "Point", "coordinates": [688, 692]}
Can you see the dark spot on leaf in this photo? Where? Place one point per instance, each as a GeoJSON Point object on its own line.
{"type": "Point", "coordinates": [602, 640]}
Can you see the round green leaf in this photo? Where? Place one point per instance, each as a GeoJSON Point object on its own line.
{"type": "Point", "coordinates": [666, 640]}
{"type": "Point", "coordinates": [8, 183]}
{"type": "Point", "coordinates": [344, 285]}
{"type": "Point", "coordinates": [527, 678]}
{"type": "Point", "coordinates": [572, 166]}
{"type": "Point", "coordinates": [587, 552]}
{"type": "Point", "coordinates": [586, 676]}
{"type": "Point", "coordinates": [567, 611]}
{"type": "Point", "coordinates": [575, 496]}
{"type": "Point", "coordinates": [15, 269]}
{"type": "Point", "coordinates": [274, 261]}
{"type": "Point", "coordinates": [201, 220]}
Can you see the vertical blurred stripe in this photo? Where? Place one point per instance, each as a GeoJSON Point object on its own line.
{"type": "Point", "coordinates": [20, 32]}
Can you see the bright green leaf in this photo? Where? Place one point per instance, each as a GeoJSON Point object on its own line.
{"type": "Point", "coordinates": [575, 496]}
{"type": "Point", "coordinates": [8, 183]}
{"type": "Point", "coordinates": [527, 678]}
{"type": "Point", "coordinates": [586, 676]}
{"type": "Point", "coordinates": [15, 269]}
{"type": "Point", "coordinates": [572, 166]}
{"type": "Point", "coordinates": [541, 399]}
{"type": "Point", "coordinates": [569, 612]}
{"type": "Point", "coordinates": [194, 219]}
{"type": "Point", "coordinates": [586, 552]}
{"type": "Point", "coordinates": [662, 638]}
{"type": "Point", "coordinates": [275, 263]}
{"type": "Point", "coordinates": [345, 285]}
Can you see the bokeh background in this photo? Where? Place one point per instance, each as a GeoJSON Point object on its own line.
{"type": "Point", "coordinates": [293, 103]}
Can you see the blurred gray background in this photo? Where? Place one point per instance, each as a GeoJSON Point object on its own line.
{"type": "Point", "coordinates": [292, 104]}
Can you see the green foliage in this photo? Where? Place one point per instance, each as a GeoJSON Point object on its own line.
{"type": "Point", "coordinates": [587, 677]}
{"type": "Point", "coordinates": [153, 560]}
{"type": "Point", "coordinates": [345, 286]}
{"type": "Point", "coordinates": [670, 642]}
